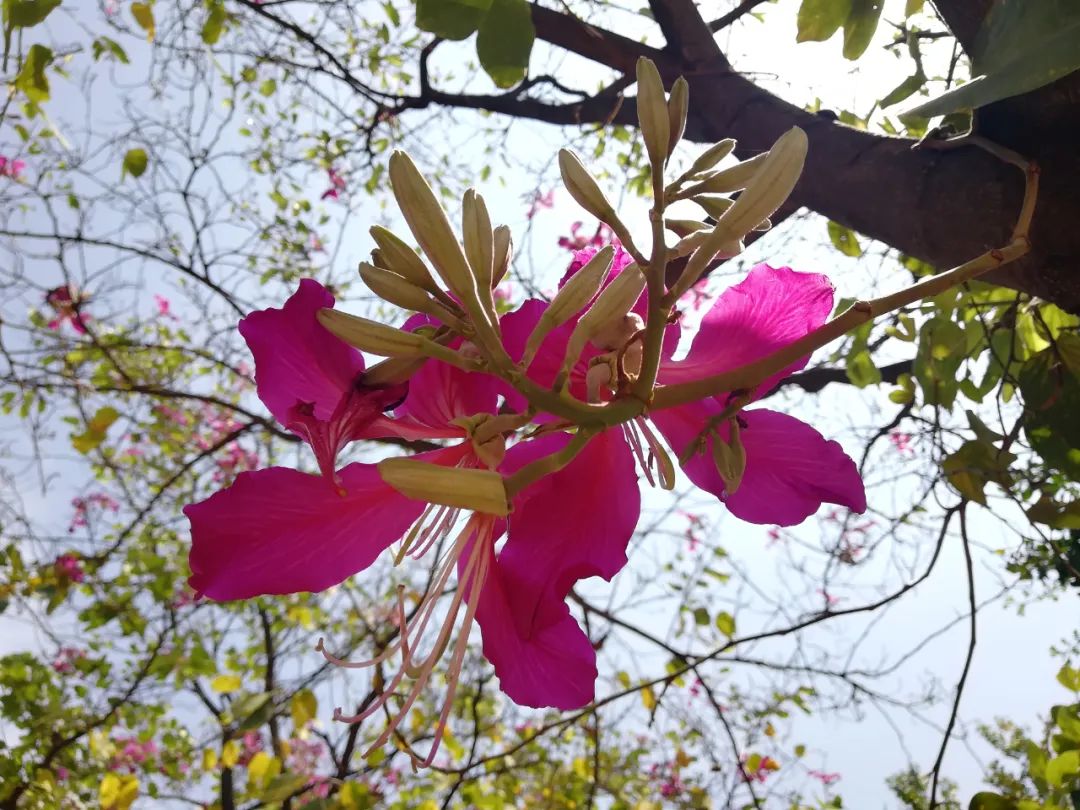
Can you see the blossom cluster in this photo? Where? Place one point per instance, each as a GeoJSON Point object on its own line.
{"type": "Point", "coordinates": [540, 420]}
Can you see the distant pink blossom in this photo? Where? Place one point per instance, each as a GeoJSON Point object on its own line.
{"type": "Point", "coordinates": [902, 442]}
{"type": "Point", "coordinates": [62, 774]}
{"type": "Point", "coordinates": [830, 600]}
{"type": "Point", "coordinates": [252, 743]}
{"type": "Point", "coordinates": [539, 201]}
{"type": "Point", "coordinates": [766, 766]}
{"type": "Point", "coordinates": [579, 241]}
{"type": "Point", "coordinates": [826, 779]}
{"type": "Point", "coordinates": [66, 659]}
{"type": "Point", "coordinates": [70, 567]}
{"type": "Point", "coordinates": [67, 306]}
{"type": "Point", "coordinates": [337, 185]}
{"type": "Point", "coordinates": [133, 753]}
{"type": "Point", "coordinates": [316, 243]}
{"type": "Point", "coordinates": [11, 168]}
{"type": "Point", "coordinates": [164, 307]}
{"type": "Point", "coordinates": [99, 500]}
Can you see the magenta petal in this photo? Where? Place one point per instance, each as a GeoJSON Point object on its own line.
{"type": "Point", "coordinates": [555, 666]}
{"type": "Point", "coordinates": [439, 394]}
{"type": "Point", "coordinates": [570, 525]}
{"type": "Point", "coordinates": [791, 469]}
{"type": "Point", "coordinates": [279, 531]}
{"type": "Point", "coordinates": [771, 308]}
{"type": "Point", "coordinates": [296, 359]}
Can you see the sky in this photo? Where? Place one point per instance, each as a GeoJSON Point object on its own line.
{"type": "Point", "coordinates": [1012, 674]}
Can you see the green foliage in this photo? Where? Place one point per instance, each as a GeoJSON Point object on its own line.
{"type": "Point", "coordinates": [135, 163]}
{"type": "Point", "coordinates": [1020, 47]}
{"type": "Point", "coordinates": [504, 41]}
{"type": "Point", "coordinates": [818, 20]}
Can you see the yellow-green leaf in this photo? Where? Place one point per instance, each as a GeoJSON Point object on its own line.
{"type": "Point", "coordinates": [725, 623]}
{"type": "Point", "coordinates": [844, 240]}
{"type": "Point", "coordinates": [144, 16]}
{"type": "Point", "coordinates": [860, 26]}
{"type": "Point", "coordinates": [820, 19]}
{"type": "Point", "coordinates": [303, 707]}
{"type": "Point", "coordinates": [223, 684]}
{"type": "Point", "coordinates": [230, 754]}
{"type": "Point", "coordinates": [118, 792]}
{"type": "Point", "coordinates": [96, 430]}
{"type": "Point", "coordinates": [135, 161]}
{"type": "Point", "coordinates": [215, 21]}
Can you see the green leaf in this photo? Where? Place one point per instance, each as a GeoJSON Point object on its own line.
{"type": "Point", "coordinates": [820, 19]}
{"type": "Point", "coordinates": [844, 240]}
{"type": "Point", "coordinates": [1020, 47]}
{"type": "Point", "coordinates": [31, 78]}
{"type": "Point", "coordinates": [144, 16]}
{"type": "Point", "coordinates": [861, 369]}
{"type": "Point", "coordinates": [505, 40]}
{"type": "Point", "coordinates": [1069, 678]}
{"type": "Point", "coordinates": [990, 801]}
{"type": "Point", "coordinates": [135, 161]}
{"type": "Point", "coordinates": [451, 19]}
{"type": "Point", "coordinates": [910, 85]}
{"type": "Point", "coordinates": [1063, 767]}
{"type": "Point", "coordinates": [215, 21]}
{"type": "Point", "coordinates": [303, 707]}
{"type": "Point", "coordinates": [973, 466]}
{"type": "Point", "coordinates": [96, 430]}
{"type": "Point", "coordinates": [104, 46]}
{"type": "Point", "coordinates": [860, 27]}
{"type": "Point", "coordinates": [725, 623]}
{"type": "Point", "coordinates": [913, 7]}
{"type": "Point", "coordinates": [27, 13]}
{"type": "Point", "coordinates": [223, 684]}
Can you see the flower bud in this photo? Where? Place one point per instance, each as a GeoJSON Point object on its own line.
{"type": "Point", "coordinates": [396, 290]}
{"type": "Point", "coordinates": [711, 156]}
{"type": "Point", "coordinates": [431, 227]}
{"type": "Point", "coordinates": [714, 204]}
{"type": "Point", "coordinates": [771, 185]}
{"type": "Point", "coordinates": [583, 188]}
{"type": "Point", "coordinates": [578, 291]}
{"type": "Point", "coordinates": [479, 490]}
{"type": "Point", "coordinates": [730, 459]}
{"type": "Point", "coordinates": [652, 110]}
{"type": "Point", "coordinates": [397, 256]}
{"type": "Point", "coordinates": [684, 227]}
{"type": "Point", "coordinates": [727, 180]}
{"type": "Point", "coordinates": [372, 336]}
{"type": "Point", "coordinates": [608, 308]}
{"type": "Point", "coordinates": [504, 254]}
{"type": "Point", "coordinates": [479, 240]}
{"type": "Point", "coordinates": [678, 108]}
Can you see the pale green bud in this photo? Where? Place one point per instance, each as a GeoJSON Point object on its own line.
{"type": "Point", "coordinates": [395, 255]}
{"type": "Point", "coordinates": [610, 307]}
{"type": "Point", "coordinates": [578, 291]}
{"type": "Point", "coordinates": [584, 188]}
{"type": "Point", "coordinates": [678, 109]}
{"type": "Point", "coordinates": [730, 459]}
{"type": "Point", "coordinates": [401, 292]}
{"type": "Point", "coordinates": [711, 156]}
{"type": "Point", "coordinates": [482, 491]}
{"type": "Point", "coordinates": [478, 238]}
{"type": "Point", "coordinates": [431, 227]}
{"type": "Point", "coordinates": [652, 110]}
{"type": "Point", "coordinates": [504, 254]}
{"type": "Point", "coordinates": [771, 185]}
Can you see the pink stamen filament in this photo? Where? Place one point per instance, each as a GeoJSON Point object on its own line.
{"type": "Point", "coordinates": [476, 535]}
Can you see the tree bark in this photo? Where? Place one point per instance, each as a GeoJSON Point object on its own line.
{"type": "Point", "coordinates": [943, 207]}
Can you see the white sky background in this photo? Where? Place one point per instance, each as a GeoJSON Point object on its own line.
{"type": "Point", "coordinates": [1012, 674]}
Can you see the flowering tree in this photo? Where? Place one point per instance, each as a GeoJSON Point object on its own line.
{"type": "Point", "coordinates": [513, 552]}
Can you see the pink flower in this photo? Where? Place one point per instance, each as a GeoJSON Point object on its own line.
{"type": "Point", "coordinates": [791, 469]}
{"type": "Point", "coordinates": [337, 185]}
{"type": "Point", "coordinates": [826, 779]}
{"type": "Point", "coordinates": [830, 600]}
{"type": "Point", "coordinates": [132, 753]}
{"type": "Point", "coordinates": [765, 766]}
{"type": "Point", "coordinates": [902, 442]}
{"type": "Point", "coordinates": [538, 201]}
{"type": "Point", "coordinates": [66, 305]}
{"type": "Point", "coordinates": [68, 566]}
{"type": "Point", "coordinates": [11, 169]}
{"type": "Point", "coordinates": [277, 530]}
{"type": "Point", "coordinates": [67, 658]}
{"type": "Point", "coordinates": [62, 774]}
{"type": "Point", "coordinates": [578, 241]}
{"type": "Point", "coordinates": [99, 500]}
{"type": "Point", "coordinates": [164, 307]}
